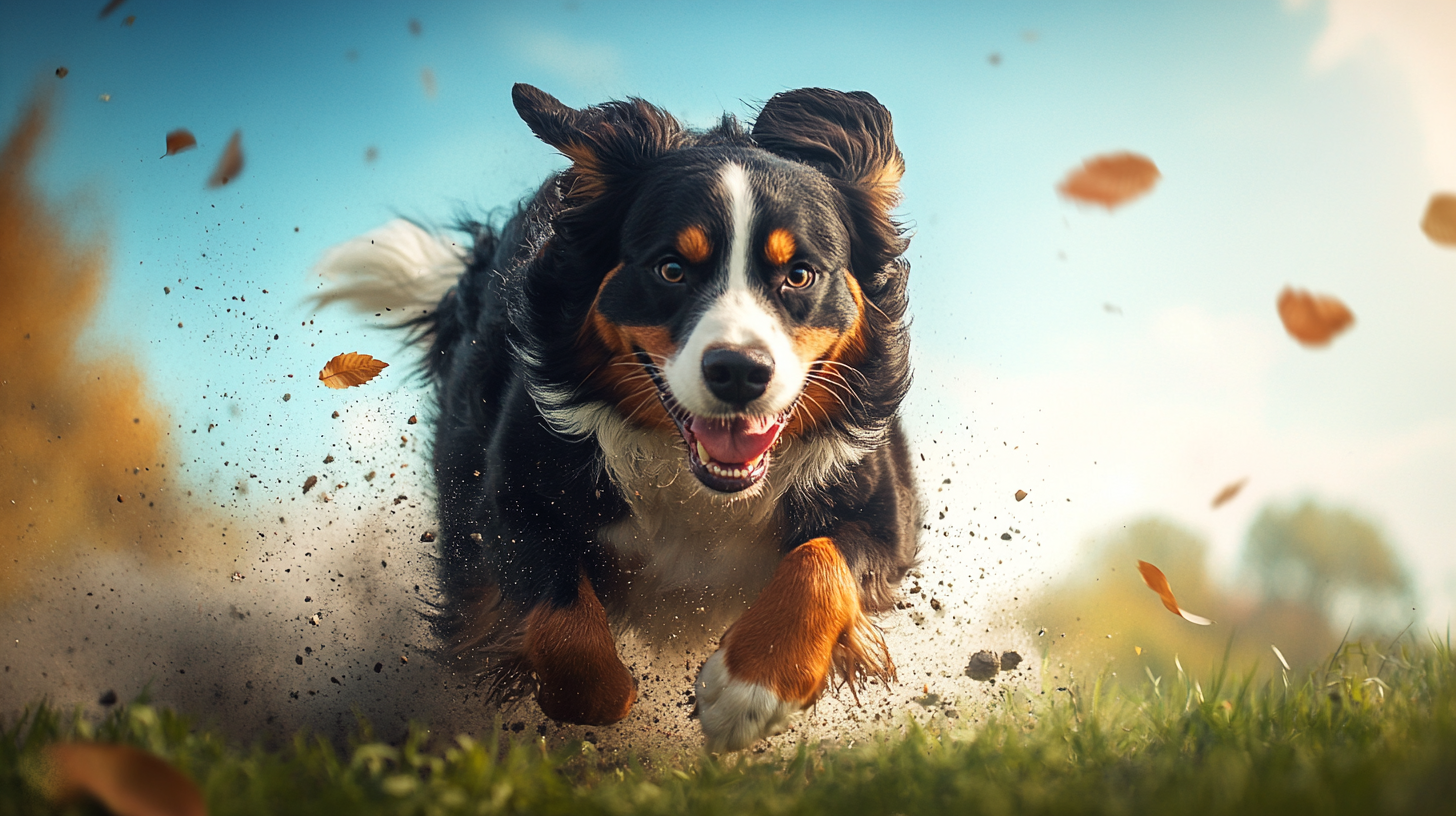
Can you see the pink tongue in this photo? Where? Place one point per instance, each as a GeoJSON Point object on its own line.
{"type": "Point", "coordinates": [735, 441]}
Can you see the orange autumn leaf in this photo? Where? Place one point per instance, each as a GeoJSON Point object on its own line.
{"type": "Point", "coordinates": [1440, 222]}
{"type": "Point", "coordinates": [231, 162]}
{"type": "Point", "coordinates": [1313, 320]}
{"type": "Point", "coordinates": [351, 369]}
{"type": "Point", "coordinates": [1229, 491]}
{"type": "Point", "coordinates": [128, 781]}
{"type": "Point", "coordinates": [179, 140]}
{"type": "Point", "coordinates": [1111, 179]}
{"type": "Point", "coordinates": [1157, 582]}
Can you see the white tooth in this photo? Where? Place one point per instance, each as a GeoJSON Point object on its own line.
{"type": "Point", "coordinates": [752, 463]}
{"type": "Point", "coordinates": [703, 454]}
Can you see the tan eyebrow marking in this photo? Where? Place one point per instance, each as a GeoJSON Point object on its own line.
{"type": "Point", "coordinates": [780, 247]}
{"type": "Point", "coordinates": [693, 244]}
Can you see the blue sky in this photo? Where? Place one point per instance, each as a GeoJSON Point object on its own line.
{"type": "Point", "coordinates": [1132, 362]}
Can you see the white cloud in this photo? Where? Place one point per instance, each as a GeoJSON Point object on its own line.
{"type": "Point", "coordinates": [1419, 36]}
{"type": "Point", "coordinates": [584, 64]}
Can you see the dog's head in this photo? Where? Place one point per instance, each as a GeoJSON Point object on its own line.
{"type": "Point", "coordinates": [737, 278]}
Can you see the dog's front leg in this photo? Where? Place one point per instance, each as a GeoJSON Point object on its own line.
{"type": "Point", "coordinates": [579, 677]}
{"type": "Point", "coordinates": [776, 659]}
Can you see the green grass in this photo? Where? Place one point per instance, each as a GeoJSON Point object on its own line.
{"type": "Point", "coordinates": [1372, 733]}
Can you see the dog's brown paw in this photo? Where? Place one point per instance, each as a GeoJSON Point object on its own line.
{"type": "Point", "coordinates": [579, 678]}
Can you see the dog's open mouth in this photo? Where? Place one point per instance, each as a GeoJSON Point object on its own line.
{"type": "Point", "coordinates": [727, 454]}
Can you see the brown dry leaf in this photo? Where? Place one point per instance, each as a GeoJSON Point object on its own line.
{"type": "Point", "coordinates": [179, 140]}
{"type": "Point", "coordinates": [128, 781]}
{"type": "Point", "coordinates": [1229, 491]}
{"type": "Point", "coordinates": [1313, 320]}
{"type": "Point", "coordinates": [1111, 179]}
{"type": "Point", "coordinates": [1020, 494]}
{"type": "Point", "coordinates": [1440, 222]}
{"type": "Point", "coordinates": [62, 71]}
{"type": "Point", "coordinates": [109, 7]}
{"type": "Point", "coordinates": [1157, 582]}
{"type": "Point", "coordinates": [131, 18]}
{"type": "Point", "coordinates": [351, 369]}
{"type": "Point", "coordinates": [309, 483]}
{"type": "Point", "coordinates": [231, 163]}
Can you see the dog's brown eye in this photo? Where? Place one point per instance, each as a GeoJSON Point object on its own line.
{"type": "Point", "coordinates": [671, 271]}
{"type": "Point", "coordinates": [800, 276]}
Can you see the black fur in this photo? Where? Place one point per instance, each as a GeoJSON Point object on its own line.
{"type": "Point", "coordinates": [521, 503]}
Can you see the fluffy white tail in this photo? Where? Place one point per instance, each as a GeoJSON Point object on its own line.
{"type": "Point", "coordinates": [398, 267]}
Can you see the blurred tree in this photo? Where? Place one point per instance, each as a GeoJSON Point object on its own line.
{"type": "Point", "coordinates": [1327, 559]}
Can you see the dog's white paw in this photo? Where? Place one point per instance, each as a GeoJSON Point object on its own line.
{"type": "Point", "coordinates": [736, 713]}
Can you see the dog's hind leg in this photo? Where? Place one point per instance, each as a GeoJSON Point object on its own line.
{"type": "Point", "coordinates": [579, 677]}
{"type": "Point", "coordinates": [776, 659]}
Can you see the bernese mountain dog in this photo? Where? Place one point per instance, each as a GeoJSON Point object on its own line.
{"type": "Point", "coordinates": [667, 401]}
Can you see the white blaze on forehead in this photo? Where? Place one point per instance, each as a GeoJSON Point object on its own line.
{"type": "Point", "coordinates": [737, 316]}
{"type": "Point", "coordinates": [740, 208]}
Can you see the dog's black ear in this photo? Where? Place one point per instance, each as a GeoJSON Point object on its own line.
{"type": "Point", "coordinates": [848, 137]}
{"type": "Point", "coordinates": [606, 143]}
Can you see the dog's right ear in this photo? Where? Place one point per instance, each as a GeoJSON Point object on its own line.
{"type": "Point", "coordinates": [607, 144]}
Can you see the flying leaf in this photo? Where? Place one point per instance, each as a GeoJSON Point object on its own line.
{"type": "Point", "coordinates": [128, 781]}
{"type": "Point", "coordinates": [231, 163]}
{"type": "Point", "coordinates": [62, 71]}
{"type": "Point", "coordinates": [1020, 494]}
{"type": "Point", "coordinates": [1440, 222]}
{"type": "Point", "coordinates": [427, 78]}
{"type": "Point", "coordinates": [1110, 180]}
{"type": "Point", "coordinates": [1157, 582]}
{"type": "Point", "coordinates": [109, 7]}
{"type": "Point", "coordinates": [179, 140]}
{"type": "Point", "coordinates": [1227, 494]}
{"type": "Point", "coordinates": [1313, 320]}
{"type": "Point", "coordinates": [351, 369]}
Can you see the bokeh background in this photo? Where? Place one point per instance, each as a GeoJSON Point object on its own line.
{"type": "Point", "coordinates": [159, 357]}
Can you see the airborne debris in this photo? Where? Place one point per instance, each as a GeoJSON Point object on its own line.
{"type": "Point", "coordinates": [983, 666]}
{"type": "Point", "coordinates": [1229, 492]}
{"type": "Point", "coordinates": [1439, 223]}
{"type": "Point", "coordinates": [309, 483]}
{"type": "Point", "coordinates": [350, 369]}
{"type": "Point", "coordinates": [427, 536]}
{"type": "Point", "coordinates": [230, 164]}
{"type": "Point", "coordinates": [1158, 582]}
{"type": "Point", "coordinates": [1110, 180]}
{"type": "Point", "coordinates": [179, 140]}
{"type": "Point", "coordinates": [1020, 494]}
{"type": "Point", "coordinates": [1313, 320]}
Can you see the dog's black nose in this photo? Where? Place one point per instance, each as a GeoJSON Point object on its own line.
{"type": "Point", "coordinates": [737, 375]}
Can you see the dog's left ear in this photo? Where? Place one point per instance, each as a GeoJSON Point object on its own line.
{"type": "Point", "coordinates": [607, 144]}
{"type": "Point", "coordinates": [849, 138]}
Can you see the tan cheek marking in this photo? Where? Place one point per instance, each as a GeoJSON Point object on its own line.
{"type": "Point", "coordinates": [807, 620]}
{"type": "Point", "coordinates": [693, 245]}
{"type": "Point", "coordinates": [580, 677]}
{"type": "Point", "coordinates": [603, 344]}
{"type": "Point", "coordinates": [823, 401]}
{"type": "Point", "coordinates": [780, 247]}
